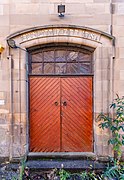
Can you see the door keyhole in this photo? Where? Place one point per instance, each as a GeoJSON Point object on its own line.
{"type": "Point", "coordinates": [56, 103]}
{"type": "Point", "coordinates": [64, 103]}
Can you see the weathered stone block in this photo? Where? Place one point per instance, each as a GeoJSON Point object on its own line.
{"type": "Point", "coordinates": [121, 74]}
{"type": "Point", "coordinates": [4, 20]}
{"type": "Point", "coordinates": [4, 85]}
{"type": "Point", "coordinates": [121, 84]}
{"type": "Point", "coordinates": [75, 8]}
{"type": "Point", "coordinates": [5, 2]}
{"type": "Point", "coordinates": [121, 52]}
{"type": "Point", "coordinates": [120, 8]}
{"type": "Point", "coordinates": [3, 119]}
{"type": "Point", "coordinates": [21, 1]}
{"type": "Point", "coordinates": [117, 1]}
{"type": "Point", "coordinates": [121, 64]}
{"type": "Point", "coordinates": [118, 20]}
{"type": "Point", "coordinates": [118, 31]}
{"type": "Point", "coordinates": [3, 134]}
{"type": "Point", "coordinates": [99, 1]}
{"type": "Point", "coordinates": [17, 150]}
{"type": "Point", "coordinates": [120, 41]}
{"type": "Point", "coordinates": [6, 9]}
{"type": "Point", "coordinates": [105, 150]}
{"type": "Point", "coordinates": [27, 8]}
{"type": "Point", "coordinates": [78, 1]}
{"type": "Point", "coordinates": [99, 149]}
{"type": "Point", "coordinates": [1, 9]}
{"type": "Point", "coordinates": [2, 94]}
{"type": "Point", "coordinates": [99, 139]}
{"type": "Point", "coordinates": [104, 28]}
{"type": "Point", "coordinates": [96, 8]}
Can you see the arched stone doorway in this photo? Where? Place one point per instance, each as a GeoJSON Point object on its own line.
{"type": "Point", "coordinates": [86, 39]}
{"type": "Point", "coordinates": [61, 99]}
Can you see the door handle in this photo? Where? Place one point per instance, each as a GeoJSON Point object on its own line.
{"type": "Point", "coordinates": [56, 103]}
{"type": "Point", "coordinates": [64, 103]}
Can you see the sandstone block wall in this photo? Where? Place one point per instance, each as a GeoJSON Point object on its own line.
{"type": "Point", "coordinates": [16, 15]}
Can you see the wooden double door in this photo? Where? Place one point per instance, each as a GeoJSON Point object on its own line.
{"type": "Point", "coordinates": [61, 114]}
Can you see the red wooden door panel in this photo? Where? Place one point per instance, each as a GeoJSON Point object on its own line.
{"type": "Point", "coordinates": [44, 114]}
{"type": "Point", "coordinates": [61, 127]}
{"type": "Point", "coordinates": [77, 114]}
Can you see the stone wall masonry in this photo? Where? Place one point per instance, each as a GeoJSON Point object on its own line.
{"type": "Point", "coordinates": [4, 20]}
{"type": "Point", "coordinates": [51, 8]}
{"type": "Point", "coordinates": [118, 19]}
{"type": "Point", "coordinates": [28, 16]}
{"type": "Point", "coordinates": [120, 8]}
{"type": "Point", "coordinates": [121, 64]}
{"type": "Point", "coordinates": [5, 2]}
{"type": "Point", "coordinates": [83, 20]}
{"type": "Point", "coordinates": [117, 1]}
{"type": "Point", "coordinates": [101, 141]}
{"type": "Point", "coordinates": [120, 41]}
{"type": "Point", "coordinates": [121, 52]}
{"type": "Point", "coordinates": [4, 134]}
{"type": "Point", "coordinates": [99, 1]}
{"type": "Point", "coordinates": [16, 15]}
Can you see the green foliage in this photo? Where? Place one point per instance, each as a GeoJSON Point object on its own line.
{"type": "Point", "coordinates": [115, 124]}
{"type": "Point", "coordinates": [14, 178]}
{"type": "Point", "coordinates": [121, 177]}
{"type": "Point", "coordinates": [115, 170]}
{"type": "Point", "coordinates": [85, 175]}
{"type": "Point", "coordinates": [22, 168]}
{"type": "Point", "coordinates": [112, 172]}
{"type": "Point", "coordinates": [64, 174]}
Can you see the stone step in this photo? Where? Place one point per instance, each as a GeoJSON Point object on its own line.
{"type": "Point", "coordinates": [66, 164]}
{"type": "Point", "coordinates": [47, 168]}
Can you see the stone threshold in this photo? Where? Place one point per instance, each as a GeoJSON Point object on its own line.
{"type": "Point", "coordinates": [62, 155]}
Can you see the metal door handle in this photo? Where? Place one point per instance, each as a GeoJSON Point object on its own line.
{"type": "Point", "coordinates": [64, 103]}
{"type": "Point", "coordinates": [56, 103]}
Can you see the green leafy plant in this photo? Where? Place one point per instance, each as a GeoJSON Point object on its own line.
{"type": "Point", "coordinates": [85, 175]}
{"type": "Point", "coordinates": [63, 174]}
{"type": "Point", "coordinates": [22, 168]}
{"type": "Point", "coordinates": [115, 123]}
{"type": "Point", "coordinates": [14, 178]}
{"type": "Point", "coordinates": [114, 171]}
{"type": "Point", "coordinates": [121, 177]}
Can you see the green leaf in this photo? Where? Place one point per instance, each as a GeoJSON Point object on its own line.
{"type": "Point", "coordinates": [113, 128]}
{"type": "Point", "coordinates": [111, 141]}
{"type": "Point", "coordinates": [122, 142]}
{"type": "Point", "coordinates": [122, 127]}
{"type": "Point", "coordinates": [114, 124]}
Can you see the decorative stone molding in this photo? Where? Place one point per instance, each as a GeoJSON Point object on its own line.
{"type": "Point", "coordinates": [59, 31]}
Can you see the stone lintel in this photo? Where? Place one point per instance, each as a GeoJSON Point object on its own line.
{"type": "Point", "coordinates": [69, 30]}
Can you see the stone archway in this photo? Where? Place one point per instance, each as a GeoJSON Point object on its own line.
{"type": "Point", "coordinates": [102, 44]}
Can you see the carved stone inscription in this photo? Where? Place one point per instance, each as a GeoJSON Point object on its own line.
{"type": "Point", "coordinates": [60, 32]}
